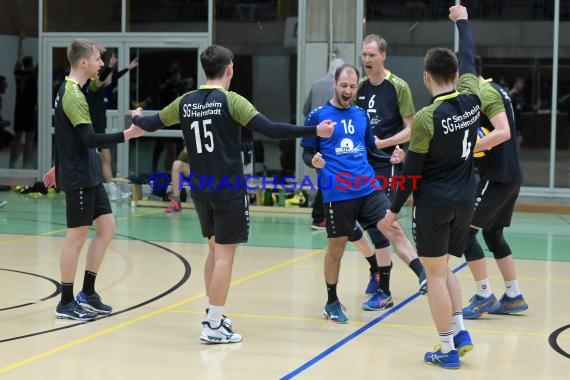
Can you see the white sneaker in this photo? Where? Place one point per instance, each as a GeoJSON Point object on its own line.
{"type": "Point", "coordinates": [222, 334]}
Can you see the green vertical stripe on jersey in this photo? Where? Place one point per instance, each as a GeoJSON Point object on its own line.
{"type": "Point", "coordinates": [74, 103]}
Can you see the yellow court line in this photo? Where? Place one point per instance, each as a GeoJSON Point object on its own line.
{"type": "Point", "coordinates": [151, 314]}
{"type": "Point", "coordinates": [383, 325]}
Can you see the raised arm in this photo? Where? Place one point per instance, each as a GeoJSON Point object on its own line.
{"type": "Point", "coordinates": [458, 14]}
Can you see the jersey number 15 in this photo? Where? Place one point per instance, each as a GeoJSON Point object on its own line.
{"type": "Point", "coordinates": [208, 136]}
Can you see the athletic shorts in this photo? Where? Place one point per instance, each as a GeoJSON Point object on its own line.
{"type": "Point", "coordinates": [343, 215]}
{"type": "Point", "coordinates": [227, 220]}
{"type": "Point", "coordinates": [495, 204]}
{"type": "Point", "coordinates": [441, 230]}
{"type": "Point", "coordinates": [387, 172]}
{"type": "Point", "coordinates": [83, 206]}
{"type": "Point", "coordinates": [25, 121]}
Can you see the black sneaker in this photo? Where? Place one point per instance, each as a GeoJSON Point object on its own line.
{"type": "Point", "coordinates": [73, 310]}
{"type": "Point", "coordinates": [93, 303]}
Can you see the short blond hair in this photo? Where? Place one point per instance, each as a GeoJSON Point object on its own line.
{"type": "Point", "coordinates": [380, 42]}
{"type": "Point", "coordinates": [81, 48]}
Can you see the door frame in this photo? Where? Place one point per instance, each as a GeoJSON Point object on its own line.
{"type": "Point", "coordinates": [115, 118]}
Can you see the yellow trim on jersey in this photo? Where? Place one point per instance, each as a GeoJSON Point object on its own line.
{"type": "Point", "coordinates": [211, 86]}
{"type": "Point", "coordinates": [445, 97]}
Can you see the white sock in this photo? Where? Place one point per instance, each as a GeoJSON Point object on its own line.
{"type": "Point", "coordinates": [207, 302]}
{"type": "Point", "coordinates": [446, 339]}
{"type": "Point", "coordinates": [457, 322]}
{"type": "Point", "coordinates": [512, 288]}
{"type": "Point", "coordinates": [484, 288]}
{"type": "Point", "coordinates": [214, 317]}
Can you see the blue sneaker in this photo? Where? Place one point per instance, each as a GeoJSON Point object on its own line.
{"type": "Point", "coordinates": [509, 305]}
{"type": "Point", "coordinates": [72, 310]}
{"type": "Point", "coordinates": [462, 342]}
{"type": "Point", "coordinates": [335, 312]}
{"type": "Point", "coordinates": [373, 284]}
{"type": "Point", "coordinates": [93, 303]}
{"type": "Point", "coordinates": [478, 306]}
{"type": "Point", "coordinates": [449, 360]}
{"type": "Point", "coordinates": [379, 301]}
{"type": "Point", "coordinates": [423, 282]}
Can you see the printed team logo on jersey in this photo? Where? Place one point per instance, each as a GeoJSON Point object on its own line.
{"type": "Point", "coordinates": [374, 120]}
{"type": "Point", "coordinates": [346, 146]}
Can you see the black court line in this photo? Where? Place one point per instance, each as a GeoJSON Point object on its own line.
{"type": "Point", "coordinates": [553, 341]}
{"type": "Point", "coordinates": [184, 279]}
{"type": "Point", "coordinates": [55, 293]}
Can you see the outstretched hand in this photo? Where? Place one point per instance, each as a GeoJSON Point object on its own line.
{"type": "Point", "coordinates": [137, 112]}
{"type": "Point", "coordinates": [325, 128]}
{"type": "Point", "coordinates": [457, 12]}
{"type": "Point", "coordinates": [134, 63]}
{"type": "Point", "coordinates": [133, 132]}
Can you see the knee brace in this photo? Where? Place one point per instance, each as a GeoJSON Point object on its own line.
{"type": "Point", "coordinates": [497, 243]}
{"type": "Point", "coordinates": [378, 239]}
{"type": "Point", "coordinates": [473, 251]}
{"type": "Point", "coordinates": [357, 235]}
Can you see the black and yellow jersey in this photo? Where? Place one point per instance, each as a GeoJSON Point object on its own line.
{"type": "Point", "coordinates": [77, 165]}
{"type": "Point", "coordinates": [386, 105]}
{"type": "Point", "coordinates": [500, 164]}
{"type": "Point", "coordinates": [445, 131]}
{"type": "Point", "coordinates": [211, 120]}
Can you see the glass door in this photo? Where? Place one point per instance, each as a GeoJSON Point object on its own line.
{"type": "Point", "coordinates": [158, 69]}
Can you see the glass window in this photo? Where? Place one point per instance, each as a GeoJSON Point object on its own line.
{"type": "Point", "coordinates": [262, 36]}
{"type": "Point", "coordinates": [82, 16]}
{"type": "Point", "coordinates": [163, 75]}
{"type": "Point", "coordinates": [167, 16]}
{"type": "Point", "coordinates": [522, 63]}
{"type": "Point", "coordinates": [19, 86]}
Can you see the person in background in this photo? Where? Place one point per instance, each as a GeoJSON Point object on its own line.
{"type": "Point", "coordinates": [5, 136]}
{"type": "Point", "coordinates": [387, 99]}
{"type": "Point", "coordinates": [499, 184]}
{"type": "Point", "coordinates": [179, 166]}
{"type": "Point", "coordinates": [96, 96]}
{"type": "Point", "coordinates": [320, 93]}
{"type": "Point", "coordinates": [25, 113]}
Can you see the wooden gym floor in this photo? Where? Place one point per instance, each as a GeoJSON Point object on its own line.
{"type": "Point", "coordinates": [152, 275]}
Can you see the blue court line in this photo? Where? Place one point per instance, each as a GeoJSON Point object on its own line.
{"type": "Point", "coordinates": [358, 332]}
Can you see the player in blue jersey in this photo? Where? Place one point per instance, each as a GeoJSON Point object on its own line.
{"type": "Point", "coordinates": [350, 189]}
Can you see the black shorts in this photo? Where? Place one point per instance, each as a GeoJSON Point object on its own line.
{"type": "Point", "coordinates": [386, 174]}
{"type": "Point", "coordinates": [441, 230]}
{"type": "Point", "coordinates": [343, 215]}
{"type": "Point", "coordinates": [227, 220]}
{"type": "Point", "coordinates": [25, 121]}
{"type": "Point", "coordinates": [83, 206]}
{"type": "Point", "coordinates": [495, 204]}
